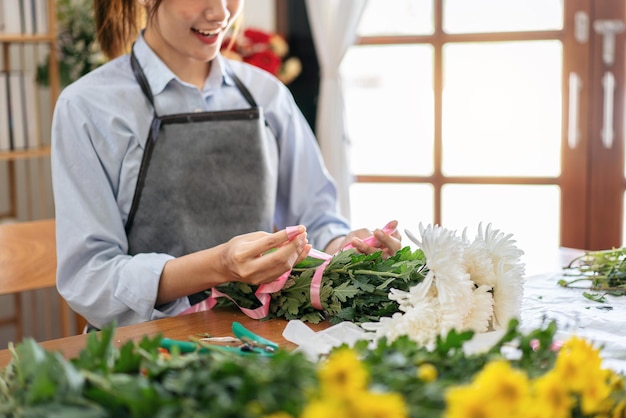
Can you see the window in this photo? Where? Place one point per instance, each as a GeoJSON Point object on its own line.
{"type": "Point", "coordinates": [460, 112]}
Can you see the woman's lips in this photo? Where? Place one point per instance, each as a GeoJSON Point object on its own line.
{"type": "Point", "coordinates": [207, 37]}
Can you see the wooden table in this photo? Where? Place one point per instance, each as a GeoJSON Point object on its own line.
{"type": "Point", "coordinates": [216, 322]}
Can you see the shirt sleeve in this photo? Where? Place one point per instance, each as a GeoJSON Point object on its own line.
{"type": "Point", "coordinates": [95, 274]}
{"type": "Point", "coordinates": [307, 194]}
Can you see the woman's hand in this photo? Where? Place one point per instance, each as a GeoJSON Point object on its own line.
{"type": "Point", "coordinates": [255, 258]}
{"type": "Point", "coordinates": [260, 257]}
{"type": "Point", "coordinates": [389, 244]}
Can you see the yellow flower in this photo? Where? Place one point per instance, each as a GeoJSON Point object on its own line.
{"type": "Point", "coordinates": [497, 391]}
{"type": "Point", "coordinates": [576, 362]}
{"type": "Point", "coordinates": [595, 397]}
{"type": "Point", "coordinates": [615, 381]}
{"type": "Point", "coordinates": [325, 408]}
{"type": "Point", "coordinates": [620, 410]}
{"type": "Point", "coordinates": [379, 405]}
{"type": "Point", "coordinates": [469, 402]}
{"type": "Point", "coordinates": [427, 373]}
{"type": "Point", "coordinates": [343, 374]}
{"type": "Point", "coordinates": [551, 396]}
{"type": "Point", "coordinates": [503, 385]}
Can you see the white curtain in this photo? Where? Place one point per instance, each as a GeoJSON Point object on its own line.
{"type": "Point", "coordinates": [333, 25]}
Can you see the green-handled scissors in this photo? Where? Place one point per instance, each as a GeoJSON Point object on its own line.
{"type": "Point", "coordinates": [250, 344]}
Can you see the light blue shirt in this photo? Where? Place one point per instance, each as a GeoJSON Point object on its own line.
{"type": "Point", "coordinates": [100, 127]}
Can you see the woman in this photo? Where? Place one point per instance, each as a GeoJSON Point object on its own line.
{"type": "Point", "coordinates": [169, 178]}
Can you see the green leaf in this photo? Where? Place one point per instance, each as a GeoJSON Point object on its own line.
{"type": "Point", "coordinates": [99, 355]}
{"type": "Point", "coordinates": [596, 297]}
{"type": "Point", "coordinates": [345, 291]}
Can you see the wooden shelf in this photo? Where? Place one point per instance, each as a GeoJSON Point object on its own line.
{"type": "Point", "coordinates": [23, 38]}
{"type": "Point", "coordinates": [24, 154]}
{"type": "Point", "coordinates": [29, 188]}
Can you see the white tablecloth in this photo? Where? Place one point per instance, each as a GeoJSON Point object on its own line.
{"type": "Point", "coordinates": [604, 324]}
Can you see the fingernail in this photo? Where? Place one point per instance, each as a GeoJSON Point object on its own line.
{"type": "Point", "coordinates": [302, 240]}
{"type": "Point", "coordinates": [294, 231]}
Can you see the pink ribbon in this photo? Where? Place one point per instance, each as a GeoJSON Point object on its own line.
{"type": "Point", "coordinates": [316, 281]}
{"type": "Point", "coordinates": [264, 291]}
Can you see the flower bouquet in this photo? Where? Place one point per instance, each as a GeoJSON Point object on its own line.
{"type": "Point", "coordinates": [449, 282]}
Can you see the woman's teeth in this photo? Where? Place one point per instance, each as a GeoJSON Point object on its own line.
{"type": "Point", "coordinates": [206, 33]}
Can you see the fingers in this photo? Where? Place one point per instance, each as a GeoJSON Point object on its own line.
{"type": "Point", "coordinates": [289, 252]}
{"type": "Point", "coordinates": [287, 235]}
{"type": "Point", "coordinates": [392, 226]}
{"type": "Point", "coordinates": [259, 257]}
{"type": "Point", "coordinates": [388, 243]}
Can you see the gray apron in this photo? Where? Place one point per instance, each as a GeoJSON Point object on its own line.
{"type": "Point", "coordinates": [204, 178]}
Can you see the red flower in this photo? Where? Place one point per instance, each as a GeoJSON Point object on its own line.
{"type": "Point", "coordinates": [264, 50]}
{"type": "Point", "coordinates": [266, 60]}
{"type": "Point", "coordinates": [256, 36]}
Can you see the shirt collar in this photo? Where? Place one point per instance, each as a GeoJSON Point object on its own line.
{"type": "Point", "coordinates": [218, 75]}
{"type": "Point", "coordinates": [159, 75]}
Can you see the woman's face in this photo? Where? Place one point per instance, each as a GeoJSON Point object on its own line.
{"type": "Point", "coordinates": [189, 32]}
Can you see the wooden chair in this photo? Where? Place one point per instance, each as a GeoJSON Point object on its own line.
{"type": "Point", "coordinates": [28, 265]}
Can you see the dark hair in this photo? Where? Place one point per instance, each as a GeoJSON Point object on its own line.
{"type": "Point", "coordinates": [118, 23]}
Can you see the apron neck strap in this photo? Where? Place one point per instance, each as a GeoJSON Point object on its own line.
{"type": "Point", "coordinates": [141, 78]}
{"type": "Point", "coordinates": [242, 88]}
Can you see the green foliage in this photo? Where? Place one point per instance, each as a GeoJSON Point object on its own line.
{"type": "Point", "coordinates": [77, 47]}
{"type": "Point", "coordinates": [137, 380]}
{"type": "Point", "coordinates": [605, 270]}
{"type": "Point", "coordinates": [355, 287]}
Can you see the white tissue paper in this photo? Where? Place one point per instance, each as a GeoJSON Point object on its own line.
{"type": "Point", "coordinates": [315, 344]}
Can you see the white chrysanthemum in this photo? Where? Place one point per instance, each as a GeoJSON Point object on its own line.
{"type": "Point", "coordinates": [507, 294]}
{"type": "Point", "coordinates": [509, 273]}
{"type": "Point", "coordinates": [421, 324]}
{"type": "Point", "coordinates": [501, 246]}
{"type": "Point", "coordinates": [446, 276]}
{"type": "Point", "coordinates": [479, 318]}
{"type": "Point", "coordinates": [478, 262]}
{"type": "Point", "coordinates": [443, 251]}
{"type": "Point", "coordinates": [473, 286]}
{"type": "Point", "coordinates": [456, 302]}
{"type": "Point", "coordinates": [442, 248]}
{"type": "Point", "coordinates": [408, 300]}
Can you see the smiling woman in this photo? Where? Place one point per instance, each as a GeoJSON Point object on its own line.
{"type": "Point", "coordinates": [149, 213]}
